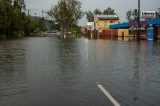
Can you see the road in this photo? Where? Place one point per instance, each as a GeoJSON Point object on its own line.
{"type": "Point", "coordinates": [47, 71]}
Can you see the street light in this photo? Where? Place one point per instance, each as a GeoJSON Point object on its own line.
{"type": "Point", "coordinates": [138, 34]}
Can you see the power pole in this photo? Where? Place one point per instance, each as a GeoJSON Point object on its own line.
{"type": "Point", "coordinates": [138, 33]}
{"type": "Point", "coordinates": [35, 24]}
{"type": "Point", "coordinates": [28, 12]}
{"type": "Point", "coordinates": [42, 13]}
{"type": "Point", "coordinates": [9, 18]}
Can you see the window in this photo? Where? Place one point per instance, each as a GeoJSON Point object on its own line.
{"type": "Point", "coordinates": [111, 21]}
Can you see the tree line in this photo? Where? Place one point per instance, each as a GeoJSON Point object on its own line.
{"type": "Point", "coordinates": [12, 18]}
{"type": "Point", "coordinates": [107, 11]}
{"type": "Point", "coordinates": [131, 15]}
{"type": "Point", "coordinates": [14, 22]}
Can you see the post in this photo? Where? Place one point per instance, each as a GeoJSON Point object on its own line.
{"type": "Point", "coordinates": [111, 34]}
{"type": "Point", "coordinates": [9, 32]}
{"type": "Point", "coordinates": [28, 13]}
{"type": "Point", "coordinates": [42, 13]}
{"type": "Point", "coordinates": [35, 25]}
{"type": "Point", "coordinates": [138, 34]}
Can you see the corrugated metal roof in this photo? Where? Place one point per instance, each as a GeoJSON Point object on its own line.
{"type": "Point", "coordinates": [108, 17]}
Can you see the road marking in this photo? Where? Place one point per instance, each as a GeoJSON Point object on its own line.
{"type": "Point", "coordinates": [106, 93]}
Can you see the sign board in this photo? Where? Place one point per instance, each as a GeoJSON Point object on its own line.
{"type": "Point", "coordinates": [150, 34]}
{"type": "Point", "coordinates": [99, 30]}
{"type": "Point", "coordinates": [148, 14]}
{"type": "Point", "coordinates": [90, 25]}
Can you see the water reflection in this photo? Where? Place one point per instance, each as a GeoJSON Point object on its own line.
{"type": "Point", "coordinates": [126, 39]}
{"type": "Point", "coordinates": [12, 69]}
{"type": "Point", "coordinates": [136, 78]}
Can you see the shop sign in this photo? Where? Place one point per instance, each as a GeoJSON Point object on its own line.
{"type": "Point", "coordinates": [148, 14]}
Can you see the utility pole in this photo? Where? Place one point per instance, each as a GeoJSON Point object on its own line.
{"type": "Point", "coordinates": [9, 18]}
{"type": "Point", "coordinates": [138, 33]}
{"type": "Point", "coordinates": [42, 13]}
{"type": "Point", "coordinates": [28, 12]}
{"type": "Point", "coordinates": [35, 24]}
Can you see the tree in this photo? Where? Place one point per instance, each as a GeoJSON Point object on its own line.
{"type": "Point", "coordinates": [5, 19]}
{"type": "Point", "coordinates": [66, 13]}
{"type": "Point", "coordinates": [90, 16]}
{"type": "Point", "coordinates": [132, 15]}
{"type": "Point", "coordinates": [13, 20]}
{"type": "Point", "coordinates": [128, 15]}
{"type": "Point", "coordinates": [42, 24]}
{"type": "Point", "coordinates": [109, 11]}
{"type": "Point", "coordinates": [22, 5]}
{"type": "Point", "coordinates": [135, 14]}
{"type": "Point", "coordinates": [158, 13]}
{"type": "Point", "coordinates": [3, 16]}
{"type": "Point", "coordinates": [75, 8]}
{"type": "Point", "coordinates": [18, 18]}
{"type": "Point", "coordinates": [97, 12]}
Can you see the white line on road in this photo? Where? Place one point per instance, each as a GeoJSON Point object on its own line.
{"type": "Point", "coordinates": [106, 93]}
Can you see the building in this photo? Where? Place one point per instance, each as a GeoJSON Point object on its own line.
{"type": "Point", "coordinates": [151, 26]}
{"type": "Point", "coordinates": [88, 29]}
{"type": "Point", "coordinates": [102, 23]}
{"type": "Point", "coordinates": [148, 27]}
{"type": "Point", "coordinates": [100, 28]}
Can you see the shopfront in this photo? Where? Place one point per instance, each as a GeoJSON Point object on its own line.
{"type": "Point", "coordinates": [151, 28]}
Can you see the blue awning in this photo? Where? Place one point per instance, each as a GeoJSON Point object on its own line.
{"type": "Point", "coordinates": [154, 21]}
{"type": "Point", "coordinates": [130, 24]}
{"type": "Point", "coordinates": [121, 25]}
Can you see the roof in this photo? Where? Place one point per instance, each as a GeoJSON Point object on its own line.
{"type": "Point", "coordinates": [108, 17]}
{"type": "Point", "coordinates": [121, 25]}
{"type": "Point", "coordinates": [130, 24]}
{"type": "Point", "coordinates": [154, 21]}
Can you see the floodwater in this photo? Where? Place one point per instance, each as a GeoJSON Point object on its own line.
{"type": "Point", "coordinates": [49, 71]}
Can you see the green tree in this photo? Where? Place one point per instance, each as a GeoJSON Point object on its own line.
{"type": "Point", "coordinates": [90, 16]}
{"type": "Point", "coordinates": [22, 5]}
{"type": "Point", "coordinates": [75, 8]}
{"type": "Point", "coordinates": [66, 13]}
{"type": "Point", "coordinates": [17, 19]}
{"type": "Point", "coordinates": [42, 24]}
{"type": "Point", "coordinates": [4, 16]}
{"type": "Point", "coordinates": [12, 18]}
{"type": "Point", "coordinates": [109, 11]}
{"type": "Point", "coordinates": [158, 13]}
{"type": "Point", "coordinates": [97, 12]}
{"type": "Point", "coordinates": [132, 15]}
{"type": "Point", "coordinates": [135, 14]}
{"type": "Point", "coordinates": [128, 15]}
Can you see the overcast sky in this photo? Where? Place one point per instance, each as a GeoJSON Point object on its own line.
{"type": "Point", "coordinates": [120, 6]}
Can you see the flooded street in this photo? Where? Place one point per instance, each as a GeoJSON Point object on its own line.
{"type": "Point", "coordinates": [49, 71]}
